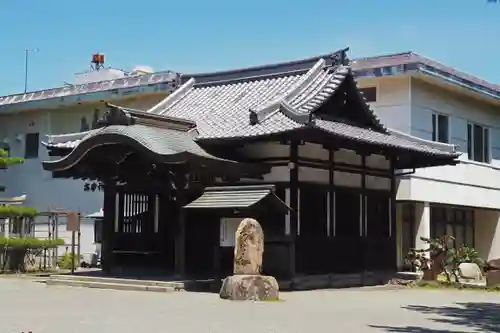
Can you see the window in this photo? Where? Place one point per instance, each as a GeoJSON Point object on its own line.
{"type": "Point", "coordinates": [440, 127]}
{"type": "Point", "coordinates": [455, 222]}
{"type": "Point", "coordinates": [31, 145]}
{"type": "Point", "coordinates": [369, 93]}
{"type": "Point", "coordinates": [478, 143]}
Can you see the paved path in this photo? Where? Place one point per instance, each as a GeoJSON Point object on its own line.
{"type": "Point", "coordinates": [29, 306]}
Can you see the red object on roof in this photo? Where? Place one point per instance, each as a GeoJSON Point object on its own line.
{"type": "Point", "coordinates": [98, 58]}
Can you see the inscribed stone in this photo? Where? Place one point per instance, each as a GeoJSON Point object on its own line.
{"type": "Point", "coordinates": [249, 248]}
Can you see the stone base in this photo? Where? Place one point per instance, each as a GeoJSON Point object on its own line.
{"type": "Point", "coordinates": [249, 288]}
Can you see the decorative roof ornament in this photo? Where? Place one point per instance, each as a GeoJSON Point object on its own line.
{"type": "Point", "coordinates": [115, 116]}
{"type": "Point", "coordinates": [340, 58]}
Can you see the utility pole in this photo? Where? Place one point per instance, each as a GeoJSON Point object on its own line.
{"type": "Point", "coordinates": [26, 62]}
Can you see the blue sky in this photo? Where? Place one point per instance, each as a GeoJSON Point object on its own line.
{"type": "Point", "coordinates": [194, 36]}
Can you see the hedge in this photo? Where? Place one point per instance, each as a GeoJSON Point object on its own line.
{"type": "Point", "coordinates": [29, 242]}
{"type": "Point", "coordinates": [16, 211]}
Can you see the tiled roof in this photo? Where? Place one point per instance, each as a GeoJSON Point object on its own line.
{"type": "Point", "coordinates": [161, 141]}
{"type": "Point", "coordinates": [235, 197]}
{"type": "Point", "coordinates": [280, 102]}
{"type": "Point", "coordinates": [394, 139]}
{"type": "Point", "coordinates": [277, 98]}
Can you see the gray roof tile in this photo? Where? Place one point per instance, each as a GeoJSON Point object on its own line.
{"type": "Point", "coordinates": [235, 197]}
{"type": "Point", "coordinates": [161, 141]}
{"type": "Point", "coordinates": [274, 99]}
{"type": "Point", "coordinates": [395, 139]}
{"type": "Point", "coordinates": [222, 110]}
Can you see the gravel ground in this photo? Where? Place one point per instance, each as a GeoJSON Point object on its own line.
{"type": "Point", "coordinates": [29, 306]}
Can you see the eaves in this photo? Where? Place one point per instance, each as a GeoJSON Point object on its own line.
{"type": "Point", "coordinates": [431, 73]}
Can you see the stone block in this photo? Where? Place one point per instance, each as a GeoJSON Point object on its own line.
{"type": "Point", "coordinates": [470, 274]}
{"type": "Point", "coordinates": [249, 248]}
{"type": "Point", "coordinates": [249, 288]}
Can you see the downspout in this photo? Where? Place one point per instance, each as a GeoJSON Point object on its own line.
{"type": "Point", "coordinates": [406, 173]}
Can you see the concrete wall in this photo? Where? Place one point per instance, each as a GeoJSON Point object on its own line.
{"type": "Point", "coordinates": [43, 192]}
{"type": "Point", "coordinates": [407, 104]}
{"type": "Point", "coordinates": [393, 101]}
{"type": "Point", "coordinates": [487, 233]}
{"type": "Point", "coordinates": [470, 183]}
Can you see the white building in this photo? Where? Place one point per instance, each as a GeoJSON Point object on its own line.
{"type": "Point", "coordinates": [410, 93]}
{"type": "Point", "coordinates": [416, 95]}
{"type": "Point", "coordinates": [26, 119]}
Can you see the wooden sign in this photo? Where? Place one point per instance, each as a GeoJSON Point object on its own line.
{"type": "Point", "coordinates": [73, 222]}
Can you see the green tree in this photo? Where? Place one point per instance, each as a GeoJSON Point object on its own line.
{"type": "Point", "coordinates": [6, 161]}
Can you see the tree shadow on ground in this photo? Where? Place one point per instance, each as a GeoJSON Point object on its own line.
{"type": "Point", "coordinates": [477, 317]}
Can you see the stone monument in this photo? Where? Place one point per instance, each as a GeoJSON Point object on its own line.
{"type": "Point", "coordinates": [247, 283]}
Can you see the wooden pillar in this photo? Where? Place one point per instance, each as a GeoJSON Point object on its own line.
{"type": "Point", "coordinates": [294, 204]}
{"type": "Point", "coordinates": [180, 186]}
{"type": "Point", "coordinates": [363, 220]}
{"type": "Point", "coordinates": [217, 253]}
{"type": "Point", "coordinates": [332, 226]}
{"type": "Point", "coordinates": [180, 244]}
{"type": "Point", "coordinates": [108, 227]}
{"type": "Point", "coordinates": [363, 226]}
{"type": "Point", "coordinates": [392, 212]}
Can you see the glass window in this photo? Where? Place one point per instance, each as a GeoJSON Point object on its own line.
{"type": "Point", "coordinates": [455, 222]}
{"type": "Point", "coordinates": [459, 235]}
{"type": "Point", "coordinates": [478, 143]}
{"type": "Point", "coordinates": [440, 229]}
{"type": "Point", "coordinates": [450, 230]}
{"type": "Point", "coordinates": [469, 234]}
{"type": "Point", "coordinates": [440, 128]}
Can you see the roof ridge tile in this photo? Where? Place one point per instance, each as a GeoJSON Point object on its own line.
{"type": "Point", "coordinates": [173, 98]}
{"type": "Point", "coordinates": [319, 96]}
{"type": "Point", "coordinates": [258, 114]}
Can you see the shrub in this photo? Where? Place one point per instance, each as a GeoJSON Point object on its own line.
{"type": "Point", "coordinates": [446, 256]}
{"type": "Point", "coordinates": [65, 261]}
{"type": "Point", "coordinates": [17, 211]}
{"type": "Point", "coordinates": [16, 250]}
{"type": "Point", "coordinates": [31, 243]}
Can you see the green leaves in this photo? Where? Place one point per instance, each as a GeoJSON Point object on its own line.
{"type": "Point", "coordinates": [6, 161]}
{"type": "Point", "coordinates": [16, 211]}
{"type": "Point", "coordinates": [30, 243]}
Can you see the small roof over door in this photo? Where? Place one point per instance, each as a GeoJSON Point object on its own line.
{"type": "Point", "coordinates": [238, 197]}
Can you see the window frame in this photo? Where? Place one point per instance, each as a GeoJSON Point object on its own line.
{"type": "Point", "coordinates": [435, 127]}
{"type": "Point", "coordinates": [29, 153]}
{"type": "Point", "coordinates": [486, 143]}
{"type": "Point", "coordinates": [445, 217]}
